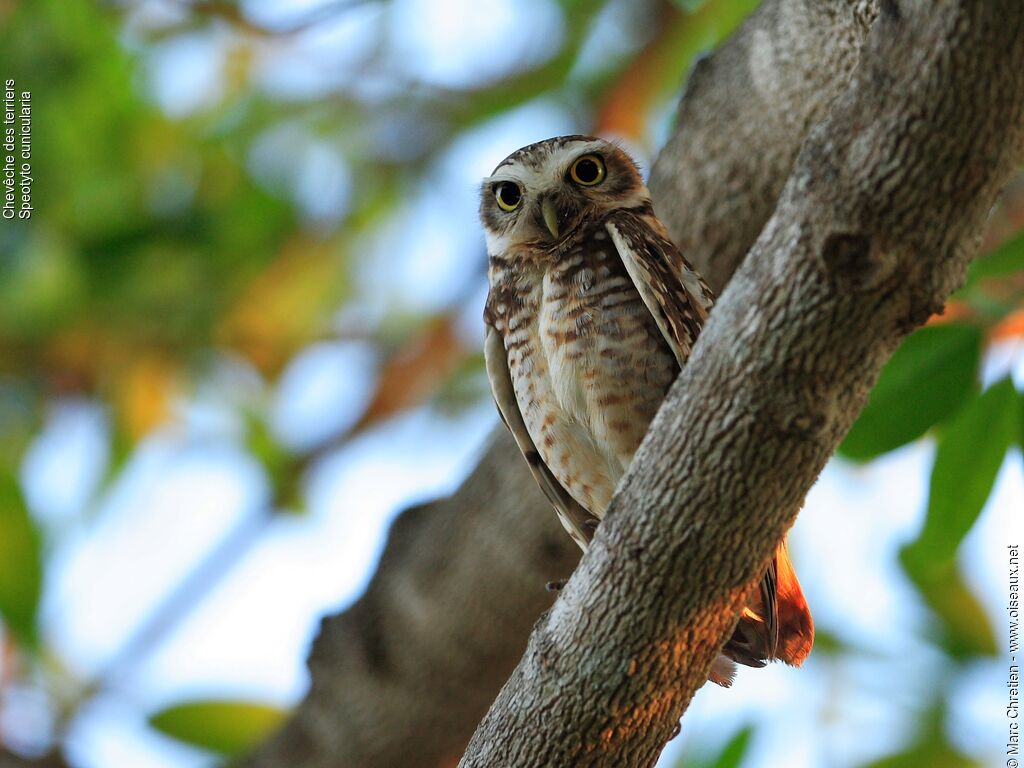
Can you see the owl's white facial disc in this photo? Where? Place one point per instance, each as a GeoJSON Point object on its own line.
{"type": "Point", "coordinates": [549, 203]}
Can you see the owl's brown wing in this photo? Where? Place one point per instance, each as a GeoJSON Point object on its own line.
{"type": "Point", "coordinates": [577, 521]}
{"type": "Point", "coordinates": [674, 293]}
{"type": "Point", "coordinates": [777, 623]}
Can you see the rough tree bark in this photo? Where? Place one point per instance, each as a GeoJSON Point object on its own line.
{"type": "Point", "coordinates": [742, 119]}
{"type": "Point", "coordinates": [461, 573]}
{"type": "Point", "coordinates": [874, 229]}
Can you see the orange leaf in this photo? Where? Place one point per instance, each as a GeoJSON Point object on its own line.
{"type": "Point", "coordinates": [415, 371]}
{"type": "Point", "coordinates": [1010, 326]}
{"type": "Point", "coordinates": [627, 106]}
{"type": "Point", "coordinates": [285, 306]}
{"type": "Point", "coordinates": [145, 392]}
{"type": "Point", "coordinates": [954, 310]}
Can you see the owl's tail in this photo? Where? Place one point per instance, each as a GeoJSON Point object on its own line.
{"type": "Point", "coordinates": [777, 624]}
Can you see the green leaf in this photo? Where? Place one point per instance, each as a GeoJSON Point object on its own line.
{"type": "Point", "coordinates": [1020, 421]}
{"type": "Point", "coordinates": [970, 453]}
{"type": "Point", "coordinates": [228, 727]}
{"type": "Point", "coordinates": [734, 752]}
{"type": "Point", "coordinates": [731, 756]}
{"type": "Point", "coordinates": [964, 630]}
{"type": "Point", "coordinates": [283, 469]}
{"type": "Point", "coordinates": [1005, 260]}
{"type": "Point", "coordinates": [926, 381]}
{"type": "Point", "coordinates": [971, 450]}
{"type": "Point", "coordinates": [932, 747]}
{"type": "Point", "coordinates": [21, 563]}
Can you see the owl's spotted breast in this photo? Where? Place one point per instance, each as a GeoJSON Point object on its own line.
{"type": "Point", "coordinates": [588, 364]}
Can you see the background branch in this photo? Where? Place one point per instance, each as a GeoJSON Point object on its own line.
{"type": "Point", "coordinates": [11, 760]}
{"type": "Point", "coordinates": [403, 676]}
{"type": "Point", "coordinates": [874, 229]}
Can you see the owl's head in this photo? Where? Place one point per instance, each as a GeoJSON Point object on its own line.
{"type": "Point", "coordinates": [546, 195]}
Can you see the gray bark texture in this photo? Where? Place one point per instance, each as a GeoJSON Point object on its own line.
{"type": "Point", "coordinates": [460, 583]}
{"type": "Point", "coordinates": [875, 227]}
{"type": "Point", "coordinates": [742, 119]}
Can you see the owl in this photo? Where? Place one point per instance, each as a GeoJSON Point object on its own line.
{"type": "Point", "coordinates": [591, 313]}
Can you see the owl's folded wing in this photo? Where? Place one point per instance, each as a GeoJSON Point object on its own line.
{"type": "Point", "coordinates": [577, 521]}
{"type": "Point", "coordinates": [674, 293]}
{"type": "Point", "coordinates": [777, 623]}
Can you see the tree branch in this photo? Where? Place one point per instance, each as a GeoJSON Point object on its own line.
{"type": "Point", "coordinates": [11, 760]}
{"type": "Point", "coordinates": [874, 229]}
{"type": "Point", "coordinates": [355, 715]}
{"type": "Point", "coordinates": [742, 119]}
{"type": "Point", "coordinates": [403, 676]}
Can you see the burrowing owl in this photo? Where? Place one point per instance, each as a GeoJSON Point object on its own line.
{"type": "Point", "coordinates": [591, 313]}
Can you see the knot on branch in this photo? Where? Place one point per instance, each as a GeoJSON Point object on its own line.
{"type": "Point", "coordinates": [853, 259]}
{"type": "Point", "coordinates": [805, 425]}
{"type": "Point", "coordinates": [544, 646]}
{"type": "Point", "coordinates": [891, 9]}
{"type": "Point", "coordinates": [797, 414]}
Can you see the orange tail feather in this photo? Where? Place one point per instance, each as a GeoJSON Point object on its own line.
{"type": "Point", "coordinates": [776, 625]}
{"type": "Point", "coordinates": [796, 627]}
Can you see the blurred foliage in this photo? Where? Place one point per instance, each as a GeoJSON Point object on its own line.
{"type": "Point", "coordinates": [931, 748]}
{"type": "Point", "coordinates": [971, 451]}
{"type": "Point", "coordinates": [928, 379]}
{"type": "Point", "coordinates": [229, 728]}
{"type": "Point", "coordinates": [960, 625]}
{"type": "Point", "coordinates": [21, 568]}
{"type": "Point", "coordinates": [168, 243]}
{"type": "Point", "coordinates": [1005, 261]}
{"type": "Point", "coordinates": [731, 756]}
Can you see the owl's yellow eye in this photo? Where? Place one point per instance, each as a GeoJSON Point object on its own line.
{"type": "Point", "coordinates": [587, 170]}
{"type": "Point", "coordinates": [508, 195]}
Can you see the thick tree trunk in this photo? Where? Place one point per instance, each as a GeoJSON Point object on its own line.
{"type": "Point", "coordinates": [874, 229]}
{"type": "Point", "coordinates": [461, 581]}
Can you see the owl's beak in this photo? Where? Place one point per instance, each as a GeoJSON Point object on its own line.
{"type": "Point", "coordinates": [550, 214]}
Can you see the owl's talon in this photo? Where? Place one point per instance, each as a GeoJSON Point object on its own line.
{"type": "Point", "coordinates": [555, 586]}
